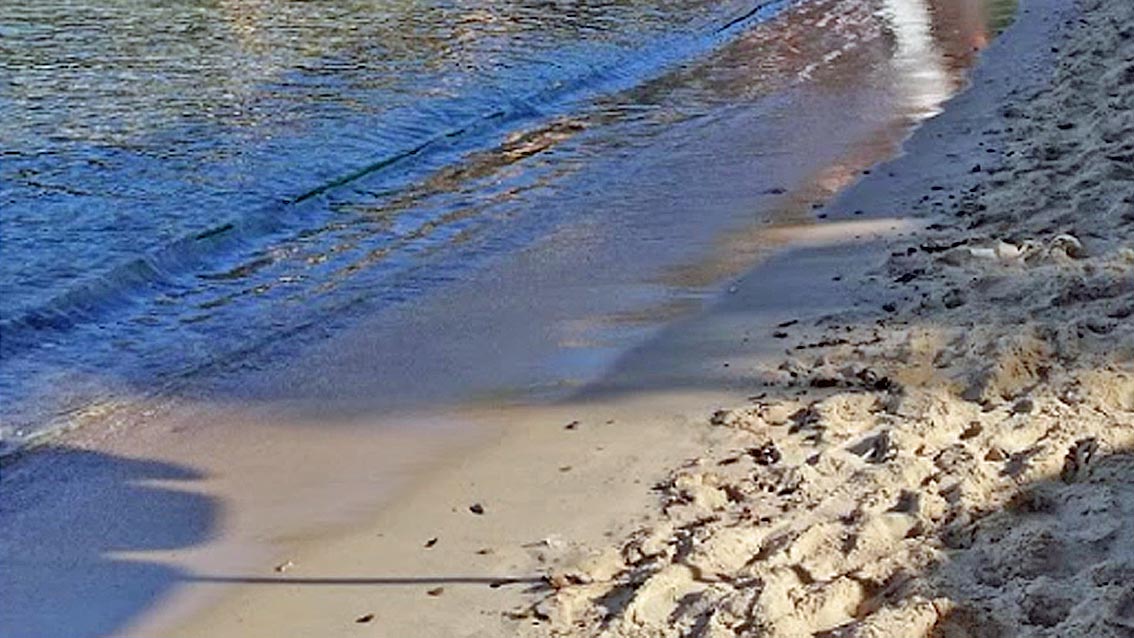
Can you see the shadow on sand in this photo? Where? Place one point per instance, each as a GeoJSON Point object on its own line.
{"type": "Point", "coordinates": [68, 515]}
{"type": "Point", "coordinates": [64, 514]}
{"type": "Point", "coordinates": [1057, 560]}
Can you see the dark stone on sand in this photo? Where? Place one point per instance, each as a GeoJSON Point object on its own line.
{"type": "Point", "coordinates": [871, 380]}
{"type": "Point", "coordinates": [906, 278]}
{"type": "Point", "coordinates": [1078, 458]}
{"type": "Point", "coordinates": [363, 619]}
{"type": "Point", "coordinates": [939, 247]}
{"type": "Point", "coordinates": [766, 454]}
{"type": "Point", "coordinates": [824, 382]}
{"type": "Point", "coordinates": [476, 508]}
{"type": "Point", "coordinates": [1023, 406]}
{"type": "Point", "coordinates": [953, 299]}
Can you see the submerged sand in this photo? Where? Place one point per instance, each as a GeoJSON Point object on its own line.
{"type": "Point", "coordinates": [956, 462]}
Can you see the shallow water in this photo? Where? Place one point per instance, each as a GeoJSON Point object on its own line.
{"type": "Point", "coordinates": [204, 188]}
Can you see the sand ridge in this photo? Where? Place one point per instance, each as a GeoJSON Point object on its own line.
{"type": "Point", "coordinates": [956, 462]}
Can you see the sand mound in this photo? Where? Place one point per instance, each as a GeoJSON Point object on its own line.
{"type": "Point", "coordinates": [907, 511]}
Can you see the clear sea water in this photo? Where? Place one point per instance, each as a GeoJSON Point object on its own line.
{"type": "Point", "coordinates": [187, 186]}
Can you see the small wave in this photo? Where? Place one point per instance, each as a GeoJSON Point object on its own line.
{"type": "Point", "coordinates": [162, 269]}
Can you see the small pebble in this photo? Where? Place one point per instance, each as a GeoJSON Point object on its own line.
{"type": "Point", "coordinates": [476, 508]}
{"type": "Point", "coordinates": [973, 430]}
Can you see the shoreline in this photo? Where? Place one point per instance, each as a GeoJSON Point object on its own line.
{"type": "Point", "coordinates": [634, 223]}
{"type": "Point", "coordinates": [953, 455]}
{"type": "Point", "coordinates": [511, 462]}
{"type": "Point", "coordinates": [545, 551]}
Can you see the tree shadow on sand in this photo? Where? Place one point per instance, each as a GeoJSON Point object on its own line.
{"type": "Point", "coordinates": [64, 513]}
{"type": "Point", "coordinates": [1058, 561]}
{"type": "Point", "coordinates": [68, 515]}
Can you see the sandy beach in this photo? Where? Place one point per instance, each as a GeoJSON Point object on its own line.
{"type": "Point", "coordinates": [927, 433]}
{"type": "Point", "coordinates": [915, 417]}
{"type": "Point", "coordinates": [953, 461]}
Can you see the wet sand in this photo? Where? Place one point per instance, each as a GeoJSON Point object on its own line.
{"type": "Point", "coordinates": [552, 482]}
